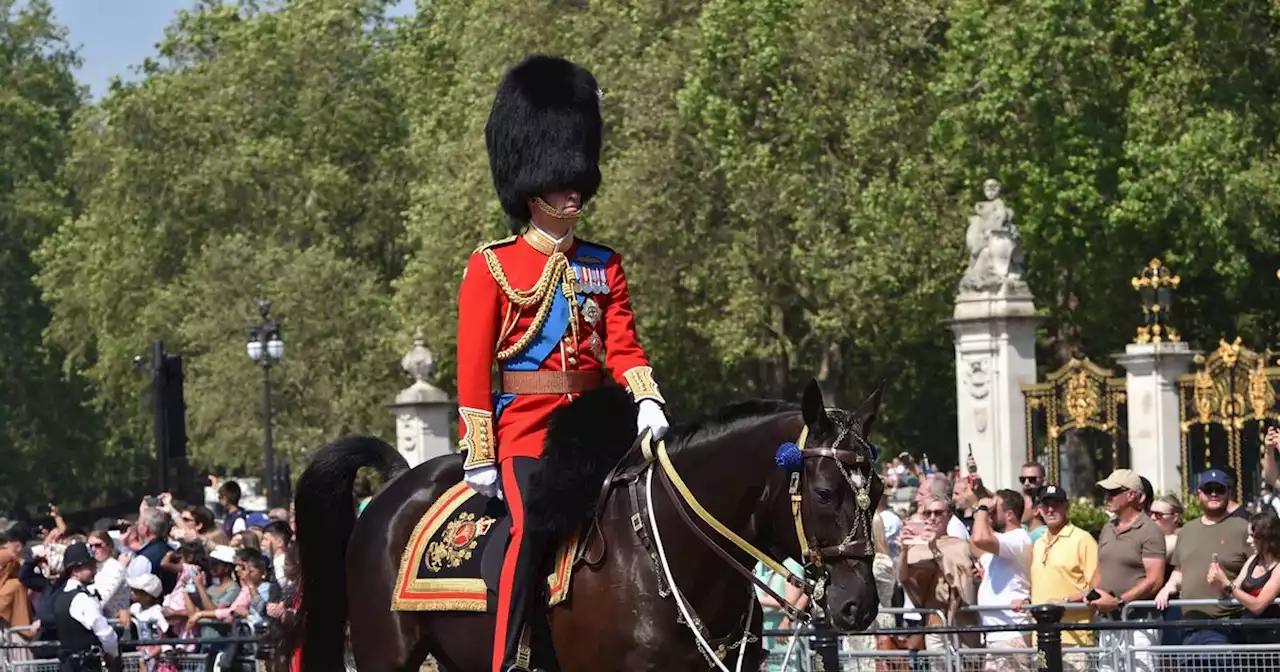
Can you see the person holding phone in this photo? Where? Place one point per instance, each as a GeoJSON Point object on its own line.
{"type": "Point", "coordinates": [936, 571]}
{"type": "Point", "coordinates": [1004, 550]}
{"type": "Point", "coordinates": [152, 533]}
{"type": "Point", "coordinates": [1215, 543]}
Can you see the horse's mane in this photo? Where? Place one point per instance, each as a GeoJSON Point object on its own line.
{"type": "Point", "coordinates": [725, 420]}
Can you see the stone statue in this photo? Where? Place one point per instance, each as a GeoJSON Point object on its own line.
{"type": "Point", "coordinates": [995, 258]}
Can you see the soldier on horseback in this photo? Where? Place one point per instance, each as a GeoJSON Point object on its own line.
{"type": "Point", "coordinates": [552, 310]}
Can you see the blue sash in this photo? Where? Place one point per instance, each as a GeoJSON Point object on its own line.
{"type": "Point", "coordinates": [588, 266]}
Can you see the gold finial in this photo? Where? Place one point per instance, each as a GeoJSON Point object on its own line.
{"type": "Point", "coordinates": [1155, 284]}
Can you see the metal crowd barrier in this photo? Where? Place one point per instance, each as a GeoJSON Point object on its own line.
{"type": "Point", "coordinates": [1047, 653]}
{"type": "Point", "coordinates": [19, 654]}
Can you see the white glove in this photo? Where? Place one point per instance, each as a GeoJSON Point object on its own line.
{"type": "Point", "coordinates": [484, 480]}
{"type": "Point", "coordinates": [651, 417]}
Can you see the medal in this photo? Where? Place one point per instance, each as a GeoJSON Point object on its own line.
{"type": "Point", "coordinates": [591, 312]}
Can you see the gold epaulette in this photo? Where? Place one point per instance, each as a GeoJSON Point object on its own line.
{"type": "Point", "coordinates": [494, 243]}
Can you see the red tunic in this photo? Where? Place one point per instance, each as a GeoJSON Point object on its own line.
{"type": "Point", "coordinates": [489, 322]}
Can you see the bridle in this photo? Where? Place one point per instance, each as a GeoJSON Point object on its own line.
{"type": "Point", "coordinates": [847, 461]}
{"type": "Point", "coordinates": [791, 456]}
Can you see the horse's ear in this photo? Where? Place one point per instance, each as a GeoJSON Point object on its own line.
{"type": "Point", "coordinates": [812, 407]}
{"type": "Point", "coordinates": [869, 410]}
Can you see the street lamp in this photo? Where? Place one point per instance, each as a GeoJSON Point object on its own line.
{"type": "Point", "coordinates": [265, 348]}
{"type": "Point", "coordinates": [1155, 284]}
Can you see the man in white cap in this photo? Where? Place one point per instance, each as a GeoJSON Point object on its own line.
{"type": "Point", "coordinates": [1131, 559]}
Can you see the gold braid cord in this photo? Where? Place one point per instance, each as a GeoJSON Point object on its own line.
{"type": "Point", "coordinates": [556, 275]}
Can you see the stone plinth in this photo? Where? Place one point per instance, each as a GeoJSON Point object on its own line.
{"type": "Point", "coordinates": [995, 342]}
{"type": "Point", "coordinates": [423, 411]}
{"type": "Point", "coordinates": [1151, 382]}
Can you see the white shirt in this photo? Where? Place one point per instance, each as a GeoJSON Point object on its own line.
{"type": "Point", "coordinates": [138, 566]}
{"type": "Point", "coordinates": [110, 587]}
{"type": "Point", "coordinates": [892, 527]}
{"type": "Point", "coordinates": [277, 567]}
{"type": "Point", "coordinates": [1006, 577]}
{"type": "Point", "coordinates": [88, 612]}
{"type": "Point", "coordinates": [151, 622]}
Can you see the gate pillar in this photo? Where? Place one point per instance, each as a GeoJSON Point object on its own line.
{"type": "Point", "coordinates": [995, 338]}
{"type": "Point", "coordinates": [995, 341]}
{"type": "Point", "coordinates": [1155, 434]}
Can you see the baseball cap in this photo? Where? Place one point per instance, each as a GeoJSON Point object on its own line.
{"type": "Point", "coordinates": [257, 519]}
{"type": "Point", "coordinates": [147, 583]}
{"type": "Point", "coordinates": [1053, 492]}
{"type": "Point", "coordinates": [1122, 479]}
{"type": "Point", "coordinates": [1217, 476]}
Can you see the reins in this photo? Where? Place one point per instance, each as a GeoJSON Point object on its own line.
{"type": "Point", "coordinates": [848, 548]}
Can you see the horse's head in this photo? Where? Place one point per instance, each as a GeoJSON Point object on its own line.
{"type": "Point", "coordinates": [838, 490]}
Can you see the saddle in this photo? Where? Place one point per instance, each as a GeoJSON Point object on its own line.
{"type": "Point", "coordinates": [454, 556]}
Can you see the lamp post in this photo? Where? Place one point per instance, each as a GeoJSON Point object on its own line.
{"type": "Point", "coordinates": [1155, 284]}
{"type": "Point", "coordinates": [265, 348]}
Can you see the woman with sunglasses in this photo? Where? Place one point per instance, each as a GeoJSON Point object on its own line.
{"type": "Point", "coordinates": [1167, 512]}
{"type": "Point", "coordinates": [109, 582]}
{"type": "Point", "coordinates": [1258, 584]}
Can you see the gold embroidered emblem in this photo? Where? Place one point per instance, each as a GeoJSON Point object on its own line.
{"type": "Point", "coordinates": [458, 541]}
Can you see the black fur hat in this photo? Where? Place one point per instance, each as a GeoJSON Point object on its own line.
{"type": "Point", "coordinates": [543, 134]}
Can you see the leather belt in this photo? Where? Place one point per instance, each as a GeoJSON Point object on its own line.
{"type": "Point", "coordinates": [550, 382]}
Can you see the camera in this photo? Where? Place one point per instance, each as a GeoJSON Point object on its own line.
{"type": "Point", "coordinates": [47, 508]}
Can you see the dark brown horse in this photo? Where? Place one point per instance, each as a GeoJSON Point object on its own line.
{"type": "Point", "coordinates": [619, 615]}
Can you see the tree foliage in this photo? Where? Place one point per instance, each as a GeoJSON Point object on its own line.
{"type": "Point", "coordinates": [786, 180]}
{"type": "Point", "coordinates": [261, 155]}
{"type": "Point", "coordinates": [43, 425]}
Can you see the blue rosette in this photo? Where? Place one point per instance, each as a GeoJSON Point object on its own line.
{"type": "Point", "coordinates": [789, 457]}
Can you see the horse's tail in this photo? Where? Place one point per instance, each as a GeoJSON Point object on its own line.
{"type": "Point", "coordinates": [325, 515]}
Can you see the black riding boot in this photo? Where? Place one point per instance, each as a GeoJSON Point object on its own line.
{"type": "Point", "coordinates": [528, 643]}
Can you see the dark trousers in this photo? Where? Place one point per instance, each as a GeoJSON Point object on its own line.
{"type": "Point", "coordinates": [521, 589]}
{"type": "Point", "coordinates": [1211, 662]}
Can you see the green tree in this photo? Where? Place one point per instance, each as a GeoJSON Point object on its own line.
{"type": "Point", "coordinates": [754, 223]}
{"type": "Point", "coordinates": [263, 153]}
{"type": "Point", "coordinates": [1123, 131]}
{"type": "Point", "coordinates": [44, 426]}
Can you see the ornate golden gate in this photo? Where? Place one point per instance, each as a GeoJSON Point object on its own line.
{"type": "Point", "coordinates": [1076, 425]}
{"type": "Point", "coordinates": [1223, 408]}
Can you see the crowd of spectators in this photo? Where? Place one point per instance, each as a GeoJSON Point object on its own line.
{"type": "Point", "coordinates": [965, 553]}
{"type": "Point", "coordinates": [172, 571]}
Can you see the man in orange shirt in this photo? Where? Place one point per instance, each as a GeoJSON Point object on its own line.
{"type": "Point", "coordinates": [550, 310]}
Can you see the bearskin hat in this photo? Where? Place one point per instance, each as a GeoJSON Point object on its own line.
{"type": "Point", "coordinates": [543, 134]}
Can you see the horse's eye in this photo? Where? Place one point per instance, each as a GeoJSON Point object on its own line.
{"type": "Point", "coordinates": [823, 494]}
